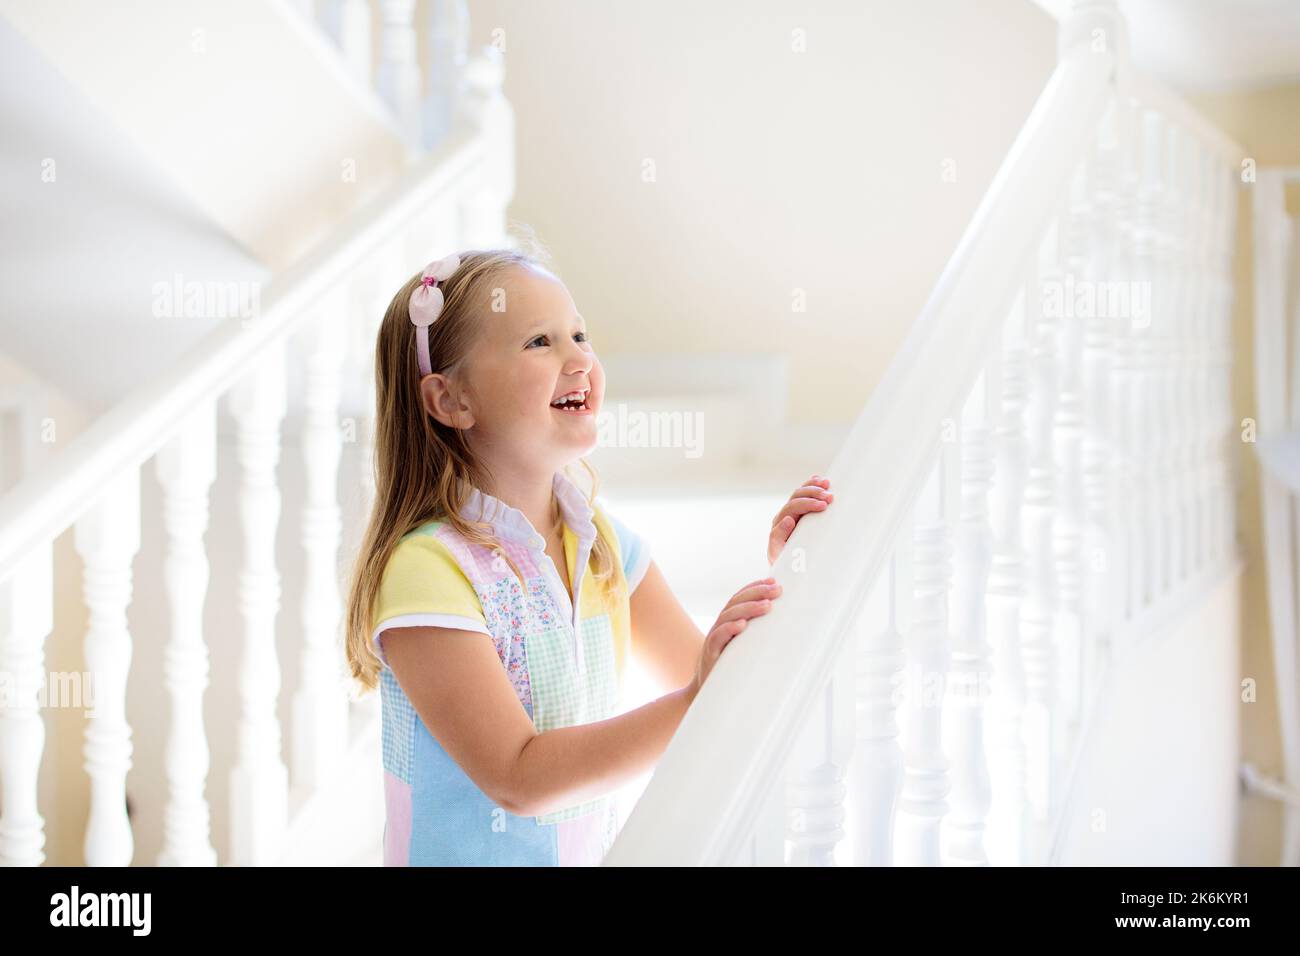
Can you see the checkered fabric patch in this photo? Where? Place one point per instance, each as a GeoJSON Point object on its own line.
{"type": "Point", "coordinates": [561, 698]}
{"type": "Point", "coordinates": [398, 726]}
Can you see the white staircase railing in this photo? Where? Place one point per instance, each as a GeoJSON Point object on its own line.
{"type": "Point", "coordinates": [1049, 457]}
{"type": "Point", "coordinates": [1277, 423]}
{"type": "Point", "coordinates": [422, 98]}
{"type": "Point", "coordinates": [454, 197]}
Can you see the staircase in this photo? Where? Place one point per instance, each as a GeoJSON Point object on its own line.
{"type": "Point", "coordinates": [1033, 531]}
{"type": "Point", "coordinates": [1033, 538]}
{"type": "Point", "coordinates": [262, 419]}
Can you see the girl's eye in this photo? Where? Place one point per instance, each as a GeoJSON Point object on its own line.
{"type": "Point", "coordinates": [578, 336]}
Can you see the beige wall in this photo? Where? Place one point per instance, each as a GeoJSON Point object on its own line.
{"type": "Point", "coordinates": [1266, 124]}
{"type": "Point", "coordinates": [774, 170]}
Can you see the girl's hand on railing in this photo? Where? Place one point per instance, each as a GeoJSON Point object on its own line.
{"type": "Point", "coordinates": [753, 600]}
{"type": "Point", "coordinates": [812, 496]}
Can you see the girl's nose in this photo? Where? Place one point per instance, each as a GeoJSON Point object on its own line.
{"type": "Point", "coordinates": [578, 359]}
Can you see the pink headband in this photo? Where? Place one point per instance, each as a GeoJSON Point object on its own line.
{"type": "Point", "coordinates": [426, 303]}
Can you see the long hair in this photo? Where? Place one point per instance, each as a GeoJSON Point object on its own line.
{"type": "Point", "coordinates": [423, 469]}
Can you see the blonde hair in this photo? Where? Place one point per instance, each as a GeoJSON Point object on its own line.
{"type": "Point", "coordinates": [423, 469]}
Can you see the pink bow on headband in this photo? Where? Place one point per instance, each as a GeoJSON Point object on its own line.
{"type": "Point", "coordinates": [426, 303]}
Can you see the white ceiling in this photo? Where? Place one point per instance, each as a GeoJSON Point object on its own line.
{"type": "Point", "coordinates": [1212, 45]}
{"type": "Point", "coordinates": [79, 255]}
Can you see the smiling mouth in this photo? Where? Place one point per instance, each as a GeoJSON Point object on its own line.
{"type": "Point", "coordinates": [572, 402]}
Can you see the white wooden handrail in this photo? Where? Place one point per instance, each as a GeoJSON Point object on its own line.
{"type": "Point", "coordinates": [453, 197]}
{"type": "Point", "coordinates": [51, 498]}
{"type": "Point", "coordinates": [745, 718]}
{"type": "Point", "coordinates": [780, 686]}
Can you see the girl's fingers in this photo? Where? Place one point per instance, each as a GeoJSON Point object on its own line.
{"type": "Point", "coordinates": [756, 593]}
{"type": "Point", "coordinates": [722, 635]}
{"type": "Point", "coordinates": [750, 586]}
{"type": "Point", "coordinates": [784, 525]}
{"type": "Point", "coordinates": [812, 491]}
{"type": "Point", "coordinates": [800, 506]}
{"type": "Point", "coordinates": [803, 506]}
{"type": "Point", "coordinates": [746, 609]}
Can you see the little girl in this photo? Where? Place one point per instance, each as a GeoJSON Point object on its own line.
{"type": "Point", "coordinates": [495, 602]}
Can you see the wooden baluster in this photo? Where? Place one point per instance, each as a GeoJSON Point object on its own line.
{"type": "Point", "coordinates": [1068, 564]}
{"type": "Point", "coordinates": [971, 654]}
{"type": "Point", "coordinates": [259, 786]}
{"type": "Point", "coordinates": [1146, 418]}
{"type": "Point", "coordinates": [398, 77]}
{"type": "Point", "coordinates": [107, 538]}
{"type": "Point", "coordinates": [26, 619]}
{"type": "Point", "coordinates": [448, 58]}
{"type": "Point", "coordinates": [1170, 245]}
{"type": "Point", "coordinates": [1126, 563]}
{"type": "Point", "coordinates": [925, 769]}
{"type": "Point", "coordinates": [1099, 451]}
{"type": "Point", "coordinates": [815, 773]}
{"type": "Point", "coordinates": [482, 209]}
{"type": "Point", "coordinates": [1008, 390]}
{"type": "Point", "coordinates": [186, 467]}
{"type": "Point", "coordinates": [348, 24]}
{"type": "Point", "coordinates": [320, 713]}
{"type": "Point", "coordinates": [767, 846]}
{"type": "Point", "coordinates": [876, 770]}
{"type": "Point", "coordinates": [1038, 609]}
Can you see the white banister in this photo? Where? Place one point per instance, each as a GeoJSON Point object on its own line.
{"type": "Point", "coordinates": [971, 654]}
{"type": "Point", "coordinates": [1007, 586]}
{"type": "Point", "coordinates": [330, 303]}
{"type": "Point", "coordinates": [1067, 431]}
{"type": "Point", "coordinates": [931, 375]}
{"type": "Point", "coordinates": [1038, 609]}
{"type": "Point", "coordinates": [259, 785]}
{"type": "Point", "coordinates": [320, 715]}
{"type": "Point", "coordinates": [815, 786]}
{"type": "Point", "coordinates": [41, 506]}
{"type": "Point", "coordinates": [397, 77]}
{"type": "Point", "coordinates": [186, 467]}
{"type": "Point", "coordinates": [484, 101]}
{"type": "Point", "coordinates": [348, 24]}
{"type": "Point", "coordinates": [876, 769]}
{"type": "Point", "coordinates": [926, 781]}
{"type": "Point", "coordinates": [1076, 466]}
{"type": "Point", "coordinates": [107, 538]}
{"type": "Point", "coordinates": [26, 619]}
{"type": "Point", "coordinates": [448, 32]}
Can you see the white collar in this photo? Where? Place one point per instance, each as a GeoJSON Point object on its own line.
{"type": "Point", "coordinates": [511, 525]}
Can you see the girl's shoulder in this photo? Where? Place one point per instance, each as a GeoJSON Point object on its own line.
{"type": "Point", "coordinates": [632, 547]}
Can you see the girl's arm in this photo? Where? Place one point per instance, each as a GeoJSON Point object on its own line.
{"type": "Point", "coordinates": [456, 684]}
{"type": "Point", "coordinates": [665, 641]}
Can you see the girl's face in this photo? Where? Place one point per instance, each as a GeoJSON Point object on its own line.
{"type": "Point", "coordinates": [528, 356]}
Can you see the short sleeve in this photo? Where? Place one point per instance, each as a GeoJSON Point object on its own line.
{"type": "Point", "coordinates": [635, 552]}
{"type": "Point", "coordinates": [423, 586]}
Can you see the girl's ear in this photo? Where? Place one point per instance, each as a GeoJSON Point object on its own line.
{"type": "Point", "coordinates": [444, 402]}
